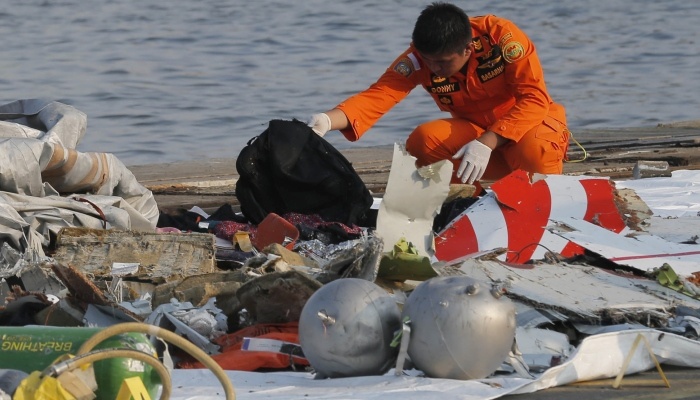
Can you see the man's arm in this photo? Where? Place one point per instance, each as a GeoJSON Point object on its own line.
{"type": "Point", "coordinates": [492, 139]}
{"type": "Point", "coordinates": [330, 120]}
{"type": "Point", "coordinates": [338, 119]}
{"type": "Point", "coordinates": [356, 114]}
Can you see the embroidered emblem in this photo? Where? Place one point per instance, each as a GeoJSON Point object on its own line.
{"type": "Point", "coordinates": [446, 100]}
{"type": "Point", "coordinates": [491, 64]}
{"type": "Point", "coordinates": [478, 46]}
{"type": "Point", "coordinates": [437, 79]}
{"type": "Point", "coordinates": [505, 38]}
{"type": "Point", "coordinates": [404, 67]}
{"type": "Point", "coordinates": [513, 51]}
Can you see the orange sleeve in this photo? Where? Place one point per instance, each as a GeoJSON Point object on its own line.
{"type": "Point", "coordinates": [524, 79]}
{"type": "Point", "coordinates": [365, 108]}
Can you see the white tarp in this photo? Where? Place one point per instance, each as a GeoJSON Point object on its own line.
{"type": "Point", "coordinates": [602, 356]}
{"type": "Point", "coordinates": [202, 385]}
{"type": "Point", "coordinates": [45, 120]}
{"type": "Point", "coordinates": [675, 202]}
{"type": "Point", "coordinates": [598, 357]}
{"type": "Point", "coordinates": [673, 197]}
{"type": "Point", "coordinates": [45, 184]}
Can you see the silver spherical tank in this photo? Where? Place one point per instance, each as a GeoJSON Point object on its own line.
{"type": "Point", "coordinates": [346, 328]}
{"type": "Point", "coordinates": [461, 328]}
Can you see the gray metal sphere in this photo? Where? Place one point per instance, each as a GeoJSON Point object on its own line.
{"type": "Point", "coordinates": [460, 328]}
{"type": "Point", "coordinates": [346, 327]}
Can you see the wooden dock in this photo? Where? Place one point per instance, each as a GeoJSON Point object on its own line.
{"type": "Point", "coordinates": [210, 183]}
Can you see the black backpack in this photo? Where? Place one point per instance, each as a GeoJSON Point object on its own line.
{"type": "Point", "coordinates": [289, 168]}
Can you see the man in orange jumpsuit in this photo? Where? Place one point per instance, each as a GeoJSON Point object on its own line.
{"type": "Point", "coordinates": [485, 72]}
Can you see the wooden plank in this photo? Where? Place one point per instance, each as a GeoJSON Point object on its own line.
{"type": "Point", "coordinates": [160, 257]}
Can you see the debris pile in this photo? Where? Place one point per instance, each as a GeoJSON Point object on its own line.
{"type": "Point", "coordinates": [524, 275]}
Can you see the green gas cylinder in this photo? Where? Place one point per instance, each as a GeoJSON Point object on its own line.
{"type": "Point", "coordinates": [33, 348]}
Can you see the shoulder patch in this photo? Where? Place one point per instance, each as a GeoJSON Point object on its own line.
{"type": "Point", "coordinates": [505, 38]}
{"type": "Point", "coordinates": [404, 67]}
{"type": "Point", "coordinates": [407, 65]}
{"type": "Point", "coordinates": [513, 51]}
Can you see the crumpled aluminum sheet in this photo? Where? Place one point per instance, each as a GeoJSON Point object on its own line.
{"type": "Point", "coordinates": [358, 258]}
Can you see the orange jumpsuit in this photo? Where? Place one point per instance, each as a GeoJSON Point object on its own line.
{"type": "Point", "coordinates": [501, 88]}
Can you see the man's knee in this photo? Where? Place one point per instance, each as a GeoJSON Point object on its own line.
{"type": "Point", "coordinates": [440, 139]}
{"type": "Point", "coordinates": [544, 157]}
{"type": "Point", "coordinates": [417, 145]}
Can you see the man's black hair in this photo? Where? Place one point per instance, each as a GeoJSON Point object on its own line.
{"type": "Point", "coordinates": [442, 28]}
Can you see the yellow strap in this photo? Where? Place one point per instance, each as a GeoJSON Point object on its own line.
{"type": "Point", "coordinates": [133, 388]}
{"type": "Point", "coordinates": [626, 364]}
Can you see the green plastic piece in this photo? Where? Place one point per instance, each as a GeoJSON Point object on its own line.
{"type": "Point", "coordinates": [404, 263]}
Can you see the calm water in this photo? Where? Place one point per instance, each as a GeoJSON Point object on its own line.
{"type": "Point", "coordinates": [176, 80]}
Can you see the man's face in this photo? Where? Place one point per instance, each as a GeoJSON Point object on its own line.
{"type": "Point", "coordinates": [446, 65]}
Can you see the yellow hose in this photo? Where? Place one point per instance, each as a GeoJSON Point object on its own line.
{"type": "Point", "coordinates": [103, 354]}
{"type": "Point", "coordinates": [168, 336]}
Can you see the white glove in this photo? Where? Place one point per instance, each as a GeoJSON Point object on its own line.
{"type": "Point", "coordinates": [475, 156]}
{"type": "Point", "coordinates": [320, 123]}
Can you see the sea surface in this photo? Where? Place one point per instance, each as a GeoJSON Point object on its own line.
{"type": "Point", "coordinates": [170, 80]}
